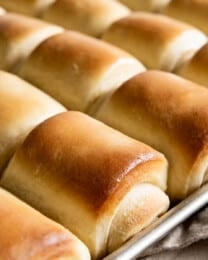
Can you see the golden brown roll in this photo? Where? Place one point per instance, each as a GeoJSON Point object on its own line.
{"type": "Point", "coordinates": [26, 234]}
{"type": "Point", "coordinates": [99, 183]}
{"type": "Point", "coordinates": [158, 41]}
{"type": "Point", "coordinates": [87, 16]}
{"type": "Point", "coordinates": [77, 69]}
{"type": "Point", "coordinates": [28, 7]}
{"type": "Point", "coordinates": [170, 114]}
{"type": "Point", "coordinates": [194, 12]}
{"type": "Point", "coordinates": [145, 5]}
{"type": "Point", "coordinates": [21, 108]}
{"type": "Point", "coordinates": [19, 35]}
{"type": "Point", "coordinates": [197, 68]}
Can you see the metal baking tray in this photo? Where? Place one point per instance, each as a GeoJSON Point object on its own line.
{"type": "Point", "coordinates": [160, 228]}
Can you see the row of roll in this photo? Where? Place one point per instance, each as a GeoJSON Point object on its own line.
{"type": "Point", "coordinates": [102, 185]}
{"type": "Point", "coordinates": [93, 17]}
{"type": "Point", "coordinates": [90, 199]}
{"type": "Point", "coordinates": [177, 47]}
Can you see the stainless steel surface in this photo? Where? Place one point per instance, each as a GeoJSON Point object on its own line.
{"type": "Point", "coordinates": [134, 247]}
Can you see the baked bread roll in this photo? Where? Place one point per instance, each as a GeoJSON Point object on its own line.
{"type": "Point", "coordinates": [145, 5]}
{"type": "Point", "coordinates": [87, 16]}
{"type": "Point", "coordinates": [194, 12]}
{"type": "Point", "coordinates": [170, 114]}
{"type": "Point", "coordinates": [99, 183]}
{"type": "Point", "coordinates": [158, 41]}
{"type": "Point", "coordinates": [197, 68]}
{"type": "Point", "coordinates": [77, 69]}
{"type": "Point", "coordinates": [21, 108]}
{"type": "Point", "coordinates": [26, 234]}
{"type": "Point", "coordinates": [28, 7]}
{"type": "Point", "coordinates": [19, 35]}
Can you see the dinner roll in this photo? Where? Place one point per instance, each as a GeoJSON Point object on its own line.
{"type": "Point", "coordinates": [99, 183]}
{"type": "Point", "coordinates": [170, 114]}
{"type": "Point", "coordinates": [194, 12]}
{"type": "Point", "coordinates": [197, 68]}
{"type": "Point", "coordinates": [19, 35]}
{"type": "Point", "coordinates": [28, 7]}
{"type": "Point", "coordinates": [77, 69]}
{"type": "Point", "coordinates": [145, 5]}
{"type": "Point", "coordinates": [87, 16]}
{"type": "Point", "coordinates": [26, 234]}
{"type": "Point", "coordinates": [158, 41]}
{"type": "Point", "coordinates": [21, 108]}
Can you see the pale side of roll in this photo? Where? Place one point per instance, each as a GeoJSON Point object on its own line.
{"type": "Point", "coordinates": [27, 7]}
{"type": "Point", "coordinates": [28, 235]}
{"type": "Point", "coordinates": [87, 16]}
{"type": "Point", "coordinates": [2, 11]}
{"type": "Point", "coordinates": [19, 35]}
{"type": "Point", "coordinates": [170, 114]}
{"type": "Point", "coordinates": [22, 107]}
{"type": "Point", "coordinates": [197, 68]}
{"type": "Point", "coordinates": [77, 70]}
{"type": "Point", "coordinates": [146, 5]}
{"type": "Point", "coordinates": [99, 183]}
{"type": "Point", "coordinates": [194, 12]}
{"type": "Point", "coordinates": [158, 41]}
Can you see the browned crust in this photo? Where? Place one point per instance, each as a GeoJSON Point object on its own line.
{"type": "Point", "coordinates": [89, 6]}
{"type": "Point", "coordinates": [88, 16]}
{"type": "Point", "coordinates": [149, 25]}
{"type": "Point", "coordinates": [177, 106]}
{"type": "Point", "coordinates": [81, 154]}
{"type": "Point", "coordinates": [74, 68]}
{"type": "Point", "coordinates": [90, 55]}
{"type": "Point", "coordinates": [18, 26]}
{"type": "Point", "coordinates": [198, 6]}
{"type": "Point", "coordinates": [25, 233]}
{"type": "Point", "coordinates": [191, 11]}
{"type": "Point", "coordinates": [145, 36]}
